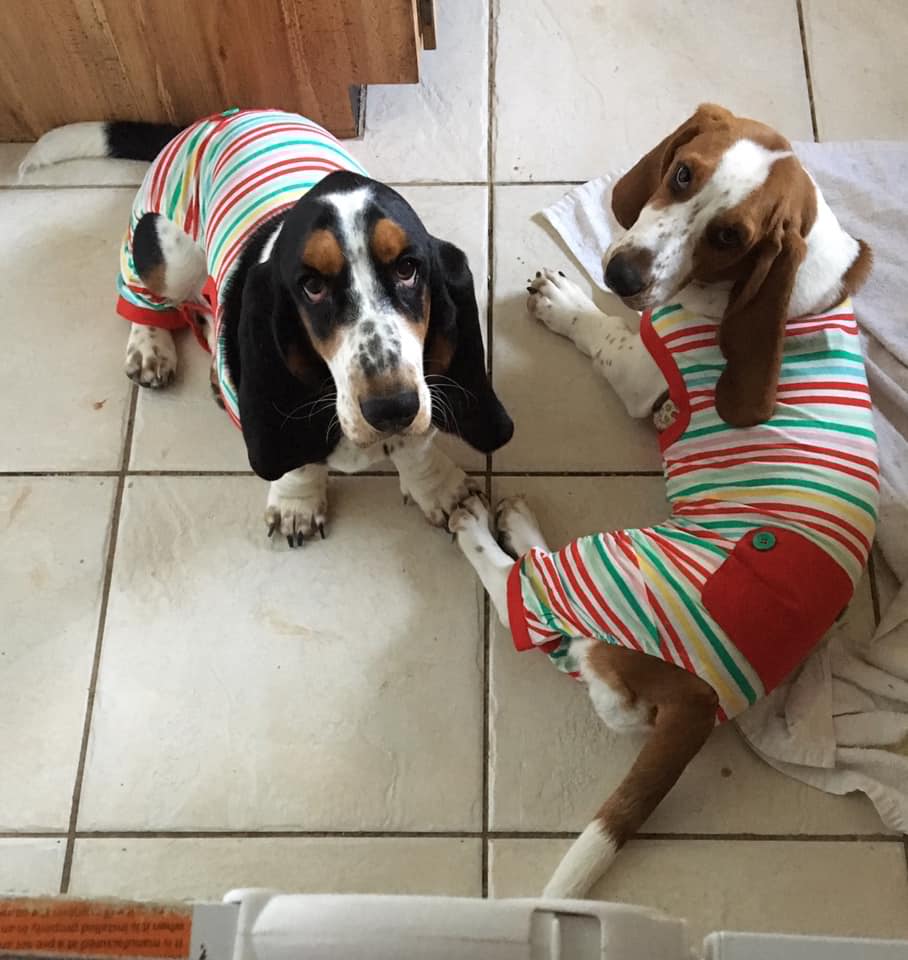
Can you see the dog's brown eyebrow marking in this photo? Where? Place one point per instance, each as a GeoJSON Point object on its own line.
{"type": "Point", "coordinates": [322, 252]}
{"type": "Point", "coordinates": [389, 240]}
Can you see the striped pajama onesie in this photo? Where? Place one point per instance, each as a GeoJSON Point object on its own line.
{"type": "Point", "coordinates": [769, 531]}
{"type": "Point", "coordinates": [219, 180]}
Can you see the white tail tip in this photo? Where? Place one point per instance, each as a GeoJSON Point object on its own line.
{"type": "Point", "coordinates": [75, 141]}
{"type": "Point", "coordinates": [590, 855]}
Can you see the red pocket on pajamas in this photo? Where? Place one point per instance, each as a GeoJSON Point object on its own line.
{"type": "Point", "coordinates": [775, 596]}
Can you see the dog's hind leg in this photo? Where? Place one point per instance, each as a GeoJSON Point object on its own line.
{"type": "Point", "coordinates": [518, 529]}
{"type": "Point", "coordinates": [628, 690]}
{"type": "Point", "coordinates": [470, 525]}
{"type": "Point", "coordinates": [617, 352]}
{"type": "Point", "coordinates": [172, 266]}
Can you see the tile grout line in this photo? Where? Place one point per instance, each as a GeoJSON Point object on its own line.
{"type": "Point", "coordinates": [802, 28]}
{"type": "Point", "coordinates": [443, 834]}
{"type": "Point", "coordinates": [491, 52]}
{"type": "Point", "coordinates": [380, 474]}
{"type": "Point", "coordinates": [99, 639]}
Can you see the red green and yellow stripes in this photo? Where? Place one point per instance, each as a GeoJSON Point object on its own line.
{"type": "Point", "coordinates": [811, 469]}
{"type": "Point", "coordinates": [219, 180]}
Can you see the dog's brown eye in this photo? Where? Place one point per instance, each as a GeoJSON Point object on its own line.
{"type": "Point", "coordinates": [315, 289]}
{"type": "Point", "coordinates": [683, 176]}
{"type": "Point", "coordinates": [406, 270]}
{"type": "Point", "coordinates": [727, 237]}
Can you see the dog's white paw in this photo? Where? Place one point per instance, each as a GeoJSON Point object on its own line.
{"type": "Point", "coordinates": [471, 516]}
{"type": "Point", "coordinates": [557, 301]}
{"type": "Point", "coordinates": [151, 356]}
{"type": "Point", "coordinates": [518, 530]}
{"type": "Point", "coordinates": [298, 518]}
{"type": "Point", "coordinates": [440, 491]}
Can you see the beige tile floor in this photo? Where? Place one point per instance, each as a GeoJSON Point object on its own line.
{"type": "Point", "coordinates": [185, 707]}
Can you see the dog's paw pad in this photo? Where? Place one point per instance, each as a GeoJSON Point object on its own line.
{"type": "Point", "coordinates": [473, 511]}
{"type": "Point", "coordinates": [151, 357]}
{"type": "Point", "coordinates": [517, 527]}
{"type": "Point", "coordinates": [440, 493]}
{"type": "Point", "coordinates": [296, 518]}
{"type": "Point", "coordinates": [556, 301]}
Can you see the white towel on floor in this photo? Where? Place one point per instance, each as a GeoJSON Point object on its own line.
{"type": "Point", "coordinates": [841, 722]}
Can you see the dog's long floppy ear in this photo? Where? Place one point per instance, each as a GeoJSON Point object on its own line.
{"type": "Point", "coordinates": [634, 189]}
{"type": "Point", "coordinates": [752, 331]}
{"type": "Point", "coordinates": [463, 400]}
{"type": "Point", "coordinates": [279, 381]}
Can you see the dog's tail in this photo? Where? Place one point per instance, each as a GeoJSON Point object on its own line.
{"type": "Point", "coordinates": [120, 139]}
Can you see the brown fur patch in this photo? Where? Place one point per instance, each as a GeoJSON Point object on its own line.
{"type": "Point", "coordinates": [684, 713]}
{"type": "Point", "coordinates": [856, 275]}
{"type": "Point", "coordinates": [439, 349]}
{"type": "Point", "coordinates": [323, 253]}
{"type": "Point", "coordinates": [296, 362]}
{"type": "Point", "coordinates": [325, 348]}
{"type": "Point", "coordinates": [389, 240]}
{"type": "Point", "coordinates": [438, 355]}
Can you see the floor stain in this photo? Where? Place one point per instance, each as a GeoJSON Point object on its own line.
{"type": "Point", "coordinates": [18, 504]}
{"type": "Point", "coordinates": [285, 628]}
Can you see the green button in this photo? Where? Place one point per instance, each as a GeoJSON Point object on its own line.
{"type": "Point", "coordinates": [230, 112]}
{"type": "Point", "coordinates": [764, 540]}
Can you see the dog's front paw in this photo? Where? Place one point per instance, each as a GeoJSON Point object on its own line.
{"type": "Point", "coordinates": [439, 492]}
{"type": "Point", "coordinates": [518, 529]}
{"type": "Point", "coordinates": [470, 515]}
{"type": "Point", "coordinates": [557, 301]}
{"type": "Point", "coordinates": [297, 518]}
{"type": "Point", "coordinates": [151, 356]}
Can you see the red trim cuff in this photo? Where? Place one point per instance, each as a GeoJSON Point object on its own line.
{"type": "Point", "coordinates": [517, 621]}
{"type": "Point", "coordinates": [170, 319]}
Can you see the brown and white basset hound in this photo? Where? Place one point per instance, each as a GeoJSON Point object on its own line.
{"type": "Point", "coordinates": [678, 626]}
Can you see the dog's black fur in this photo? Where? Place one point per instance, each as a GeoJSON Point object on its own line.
{"type": "Point", "coordinates": [262, 324]}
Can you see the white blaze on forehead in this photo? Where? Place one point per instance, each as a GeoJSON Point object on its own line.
{"type": "Point", "coordinates": [671, 233]}
{"type": "Point", "coordinates": [351, 221]}
{"type": "Point", "coordinates": [389, 330]}
{"type": "Point", "coordinates": [269, 244]}
{"type": "Point", "coordinates": [744, 166]}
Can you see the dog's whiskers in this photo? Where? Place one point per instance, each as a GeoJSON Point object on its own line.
{"type": "Point", "coordinates": [315, 407]}
{"type": "Point", "coordinates": [449, 421]}
{"type": "Point", "coordinates": [444, 381]}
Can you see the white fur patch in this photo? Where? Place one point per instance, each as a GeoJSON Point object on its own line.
{"type": "Point", "coordinates": [430, 478]}
{"type": "Point", "coordinates": [269, 244]}
{"type": "Point", "coordinates": [611, 707]}
{"type": "Point", "coordinates": [385, 321]}
{"type": "Point", "coordinates": [617, 353]}
{"type": "Point", "coordinates": [298, 502]}
{"type": "Point", "coordinates": [74, 141]}
{"type": "Point", "coordinates": [830, 252]}
{"type": "Point", "coordinates": [151, 356]}
{"type": "Point", "coordinates": [518, 528]}
{"type": "Point", "coordinates": [589, 857]}
{"type": "Point", "coordinates": [470, 523]}
{"type": "Point", "coordinates": [185, 267]}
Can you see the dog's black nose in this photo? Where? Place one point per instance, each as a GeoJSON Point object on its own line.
{"type": "Point", "coordinates": [391, 412]}
{"type": "Point", "coordinates": [622, 276]}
